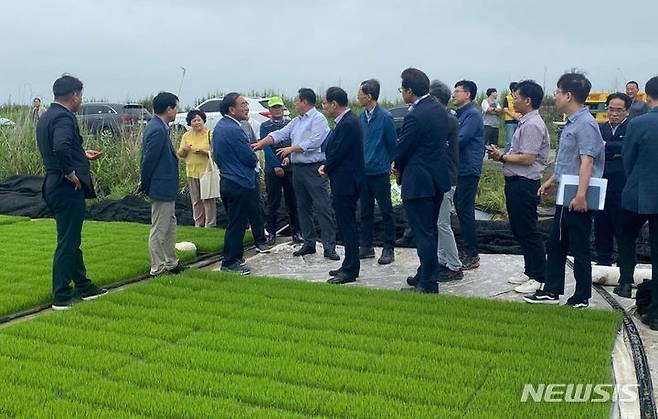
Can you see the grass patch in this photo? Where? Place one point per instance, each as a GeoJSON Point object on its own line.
{"type": "Point", "coordinates": [11, 219]}
{"type": "Point", "coordinates": [208, 344]}
{"type": "Point", "coordinates": [112, 251]}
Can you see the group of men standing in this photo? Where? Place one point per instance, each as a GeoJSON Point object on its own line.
{"type": "Point", "coordinates": [437, 154]}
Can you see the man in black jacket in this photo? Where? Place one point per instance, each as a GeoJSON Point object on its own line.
{"type": "Point", "coordinates": [345, 167]}
{"type": "Point", "coordinates": [607, 223]}
{"type": "Point", "coordinates": [422, 171]}
{"type": "Point", "coordinates": [639, 199]}
{"type": "Point", "coordinates": [66, 185]}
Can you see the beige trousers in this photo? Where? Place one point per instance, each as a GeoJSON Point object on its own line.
{"type": "Point", "coordinates": [162, 239]}
{"type": "Point", "coordinates": [204, 211]}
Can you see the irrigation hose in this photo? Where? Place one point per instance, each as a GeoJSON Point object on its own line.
{"type": "Point", "coordinates": [642, 373]}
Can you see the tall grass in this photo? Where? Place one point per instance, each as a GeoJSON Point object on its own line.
{"type": "Point", "coordinates": [116, 174]}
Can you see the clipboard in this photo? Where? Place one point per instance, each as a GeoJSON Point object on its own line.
{"type": "Point", "coordinates": [595, 192]}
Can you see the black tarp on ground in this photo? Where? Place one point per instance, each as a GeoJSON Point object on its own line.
{"type": "Point", "coordinates": [21, 195]}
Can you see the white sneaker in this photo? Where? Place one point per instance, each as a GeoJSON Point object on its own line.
{"type": "Point", "coordinates": [519, 279]}
{"type": "Point", "coordinates": [528, 287]}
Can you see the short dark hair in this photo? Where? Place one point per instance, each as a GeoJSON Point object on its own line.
{"type": "Point", "coordinates": [193, 113]}
{"type": "Point", "coordinates": [469, 86]}
{"type": "Point", "coordinates": [440, 91]}
{"type": "Point", "coordinates": [531, 90]}
{"type": "Point", "coordinates": [65, 86]}
{"type": "Point", "coordinates": [228, 102]}
{"type": "Point", "coordinates": [512, 86]}
{"type": "Point", "coordinates": [416, 81]}
{"type": "Point", "coordinates": [307, 95]}
{"type": "Point", "coordinates": [370, 87]}
{"type": "Point", "coordinates": [618, 95]}
{"type": "Point", "coordinates": [336, 94]}
{"type": "Point", "coordinates": [637, 86]}
{"type": "Point", "coordinates": [164, 100]}
{"type": "Point", "coordinates": [651, 88]}
{"type": "Point", "coordinates": [490, 91]}
{"type": "Point", "coordinates": [576, 84]}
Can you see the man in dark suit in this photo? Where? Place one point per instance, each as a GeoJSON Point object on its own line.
{"type": "Point", "coordinates": [422, 171]}
{"type": "Point", "coordinates": [236, 161]}
{"type": "Point", "coordinates": [66, 185]}
{"type": "Point", "coordinates": [639, 198]}
{"type": "Point", "coordinates": [159, 181]}
{"type": "Point", "coordinates": [607, 223]}
{"type": "Point", "coordinates": [345, 168]}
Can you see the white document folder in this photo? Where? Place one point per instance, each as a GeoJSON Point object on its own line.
{"type": "Point", "coordinates": [595, 182]}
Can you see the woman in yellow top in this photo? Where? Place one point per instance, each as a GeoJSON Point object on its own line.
{"type": "Point", "coordinates": [195, 149]}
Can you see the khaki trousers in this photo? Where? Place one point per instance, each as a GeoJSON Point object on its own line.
{"type": "Point", "coordinates": [204, 211]}
{"type": "Point", "coordinates": [162, 239]}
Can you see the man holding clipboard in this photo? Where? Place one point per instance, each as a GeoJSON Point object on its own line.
{"type": "Point", "coordinates": [581, 154]}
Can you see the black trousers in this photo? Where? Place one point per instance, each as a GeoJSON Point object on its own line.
{"type": "Point", "coordinates": [277, 186]}
{"type": "Point", "coordinates": [423, 215]}
{"type": "Point", "coordinates": [570, 234]}
{"type": "Point", "coordinates": [345, 212]}
{"type": "Point", "coordinates": [632, 224]}
{"type": "Point", "coordinates": [68, 206]}
{"type": "Point", "coordinates": [256, 214]}
{"type": "Point", "coordinates": [521, 201]}
{"type": "Point", "coordinates": [377, 188]}
{"type": "Point", "coordinates": [490, 135]}
{"type": "Point", "coordinates": [608, 227]}
{"type": "Point", "coordinates": [238, 202]}
{"type": "Point", "coordinates": [467, 187]}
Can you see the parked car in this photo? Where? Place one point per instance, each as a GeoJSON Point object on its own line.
{"type": "Point", "coordinates": [257, 114]}
{"type": "Point", "coordinates": [4, 122]}
{"type": "Point", "coordinates": [264, 100]}
{"type": "Point", "coordinates": [398, 113]}
{"type": "Point", "coordinates": [108, 119]}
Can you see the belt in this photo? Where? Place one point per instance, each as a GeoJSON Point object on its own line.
{"type": "Point", "coordinates": [308, 164]}
{"type": "Point", "coordinates": [517, 178]}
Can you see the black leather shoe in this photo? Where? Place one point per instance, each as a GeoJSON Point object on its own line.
{"type": "Point", "coordinates": [450, 275]}
{"type": "Point", "coordinates": [420, 290]}
{"type": "Point", "coordinates": [177, 269]}
{"type": "Point", "coordinates": [624, 290]}
{"type": "Point", "coordinates": [341, 278]}
{"type": "Point", "coordinates": [304, 250]}
{"type": "Point", "coordinates": [334, 272]}
{"type": "Point", "coordinates": [366, 253]}
{"type": "Point", "coordinates": [388, 256]}
{"type": "Point", "coordinates": [331, 254]}
{"type": "Point", "coordinates": [412, 281]}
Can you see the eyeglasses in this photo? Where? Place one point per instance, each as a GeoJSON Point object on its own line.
{"type": "Point", "coordinates": [401, 89]}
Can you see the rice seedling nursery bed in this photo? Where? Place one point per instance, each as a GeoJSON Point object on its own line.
{"type": "Point", "coordinates": [112, 251]}
{"type": "Point", "coordinates": [210, 344]}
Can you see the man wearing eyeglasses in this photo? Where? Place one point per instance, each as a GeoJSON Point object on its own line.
{"type": "Point", "coordinates": [422, 172]}
{"type": "Point", "coordinates": [607, 223]}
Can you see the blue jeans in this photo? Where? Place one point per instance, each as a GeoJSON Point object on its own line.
{"type": "Point", "coordinates": [509, 133]}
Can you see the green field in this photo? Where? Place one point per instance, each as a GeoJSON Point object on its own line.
{"type": "Point", "coordinates": [209, 344]}
{"type": "Point", "coordinates": [112, 251]}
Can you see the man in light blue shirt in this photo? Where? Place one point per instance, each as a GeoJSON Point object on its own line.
{"type": "Point", "coordinates": [307, 132]}
{"type": "Point", "coordinates": [581, 153]}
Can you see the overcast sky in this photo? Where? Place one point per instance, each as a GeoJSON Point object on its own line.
{"type": "Point", "coordinates": [125, 49]}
